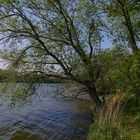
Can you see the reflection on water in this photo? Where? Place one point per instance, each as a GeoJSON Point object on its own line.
{"type": "Point", "coordinates": [46, 118]}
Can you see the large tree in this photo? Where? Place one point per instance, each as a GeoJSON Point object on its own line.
{"type": "Point", "coordinates": [56, 38]}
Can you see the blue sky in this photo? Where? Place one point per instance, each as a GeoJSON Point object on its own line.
{"type": "Point", "coordinates": [106, 44]}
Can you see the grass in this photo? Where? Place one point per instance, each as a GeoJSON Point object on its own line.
{"type": "Point", "coordinates": [114, 123]}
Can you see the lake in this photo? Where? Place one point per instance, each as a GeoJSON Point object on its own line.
{"type": "Point", "coordinates": [46, 117]}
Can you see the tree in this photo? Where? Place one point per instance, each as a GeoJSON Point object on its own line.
{"type": "Point", "coordinates": [122, 20]}
{"type": "Point", "coordinates": [55, 38]}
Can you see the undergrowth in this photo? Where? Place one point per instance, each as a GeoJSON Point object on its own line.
{"type": "Point", "coordinates": [113, 122]}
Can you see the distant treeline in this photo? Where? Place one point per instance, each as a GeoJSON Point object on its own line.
{"type": "Point", "coordinates": [13, 76]}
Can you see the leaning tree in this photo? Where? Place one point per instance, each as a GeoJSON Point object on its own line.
{"type": "Point", "coordinates": [56, 38]}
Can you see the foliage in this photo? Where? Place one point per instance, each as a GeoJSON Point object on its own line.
{"type": "Point", "coordinates": [121, 21]}
{"type": "Point", "coordinates": [120, 74]}
{"type": "Point", "coordinates": [13, 94]}
{"type": "Point", "coordinates": [119, 71]}
{"type": "Point", "coordinates": [52, 38]}
{"type": "Point", "coordinates": [61, 39]}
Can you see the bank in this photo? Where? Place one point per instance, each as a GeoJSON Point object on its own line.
{"type": "Point", "coordinates": [117, 122]}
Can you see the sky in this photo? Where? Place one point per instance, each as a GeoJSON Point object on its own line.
{"type": "Point", "coordinates": [3, 64]}
{"type": "Point", "coordinates": [106, 44]}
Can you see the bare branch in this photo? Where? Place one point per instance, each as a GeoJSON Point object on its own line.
{"type": "Point", "coordinates": [91, 30]}
{"type": "Point", "coordinates": [15, 63]}
{"type": "Point", "coordinates": [49, 74]}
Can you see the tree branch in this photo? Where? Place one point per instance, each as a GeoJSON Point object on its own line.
{"type": "Point", "coordinates": [91, 30]}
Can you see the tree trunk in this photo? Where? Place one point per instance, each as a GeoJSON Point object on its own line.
{"type": "Point", "coordinates": [129, 26]}
{"type": "Point", "coordinates": [95, 97]}
{"type": "Point", "coordinates": [131, 32]}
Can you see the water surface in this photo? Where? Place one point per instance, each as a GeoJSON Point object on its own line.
{"type": "Point", "coordinates": [46, 118]}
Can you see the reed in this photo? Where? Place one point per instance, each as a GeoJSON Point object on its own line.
{"type": "Point", "coordinates": [108, 123]}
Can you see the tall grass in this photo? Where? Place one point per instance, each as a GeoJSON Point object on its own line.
{"type": "Point", "coordinates": [108, 123]}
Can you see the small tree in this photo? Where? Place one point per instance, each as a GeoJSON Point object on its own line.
{"type": "Point", "coordinates": [122, 21]}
